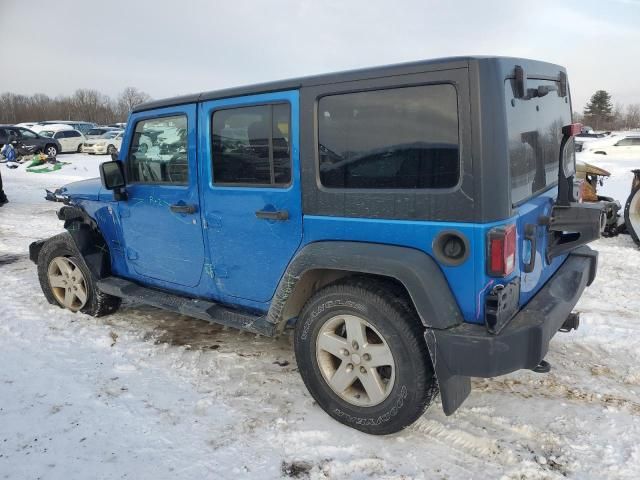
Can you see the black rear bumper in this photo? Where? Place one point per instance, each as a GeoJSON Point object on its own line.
{"type": "Point", "coordinates": [468, 350]}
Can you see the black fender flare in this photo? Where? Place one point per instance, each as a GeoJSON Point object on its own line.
{"type": "Point", "coordinates": [88, 239]}
{"type": "Point", "coordinates": [417, 271]}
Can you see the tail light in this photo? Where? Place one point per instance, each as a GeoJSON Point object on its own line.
{"type": "Point", "coordinates": [502, 250]}
{"type": "Point", "coordinates": [572, 129]}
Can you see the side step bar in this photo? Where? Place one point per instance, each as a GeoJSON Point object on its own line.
{"type": "Point", "coordinates": [192, 307]}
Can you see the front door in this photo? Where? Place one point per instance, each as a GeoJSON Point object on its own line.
{"type": "Point", "coordinates": [161, 222]}
{"type": "Point", "coordinates": [249, 161]}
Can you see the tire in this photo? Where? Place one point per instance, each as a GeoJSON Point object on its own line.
{"type": "Point", "coordinates": [55, 253]}
{"type": "Point", "coordinates": [51, 150]}
{"type": "Point", "coordinates": [405, 389]}
{"type": "Point", "coordinates": [79, 150]}
{"type": "Point", "coordinates": [111, 150]}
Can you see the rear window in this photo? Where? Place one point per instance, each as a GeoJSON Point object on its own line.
{"type": "Point", "coordinates": [399, 138]}
{"type": "Point", "coordinates": [534, 129]}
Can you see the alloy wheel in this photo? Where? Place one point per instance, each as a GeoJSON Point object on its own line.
{"type": "Point", "coordinates": [355, 360]}
{"type": "Point", "coordinates": [67, 283]}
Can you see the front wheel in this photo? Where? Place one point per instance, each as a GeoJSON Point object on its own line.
{"type": "Point", "coordinates": [51, 150]}
{"type": "Point", "coordinates": [111, 149]}
{"type": "Point", "coordinates": [362, 355]}
{"type": "Point", "coordinates": [66, 280]}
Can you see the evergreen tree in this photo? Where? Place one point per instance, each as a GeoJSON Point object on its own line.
{"type": "Point", "coordinates": [599, 109]}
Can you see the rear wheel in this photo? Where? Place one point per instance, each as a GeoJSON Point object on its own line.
{"type": "Point", "coordinates": [67, 282]}
{"type": "Point", "coordinates": [362, 355]}
{"type": "Point", "coordinates": [111, 149]}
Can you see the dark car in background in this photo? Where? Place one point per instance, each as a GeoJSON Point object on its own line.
{"type": "Point", "coordinates": [10, 133]}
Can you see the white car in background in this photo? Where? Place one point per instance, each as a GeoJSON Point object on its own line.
{"type": "Point", "coordinates": [28, 125]}
{"type": "Point", "coordinates": [99, 131]}
{"type": "Point", "coordinates": [70, 140]}
{"type": "Point", "coordinates": [83, 127]}
{"type": "Point", "coordinates": [109, 142]}
{"type": "Point", "coordinates": [624, 146]}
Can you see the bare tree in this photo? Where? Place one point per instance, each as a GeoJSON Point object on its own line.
{"type": "Point", "coordinates": [632, 117]}
{"type": "Point", "coordinates": [130, 98]}
{"type": "Point", "coordinates": [84, 104]}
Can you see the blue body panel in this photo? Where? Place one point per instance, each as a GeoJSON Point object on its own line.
{"type": "Point", "coordinates": [248, 255]}
{"type": "Point", "coordinates": [529, 213]}
{"type": "Point", "coordinates": [226, 254]}
{"type": "Point", "coordinates": [161, 245]}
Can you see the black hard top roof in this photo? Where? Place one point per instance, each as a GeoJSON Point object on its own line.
{"type": "Point", "coordinates": [337, 77]}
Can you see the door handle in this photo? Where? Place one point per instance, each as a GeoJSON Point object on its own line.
{"type": "Point", "coordinates": [183, 208]}
{"type": "Point", "coordinates": [273, 215]}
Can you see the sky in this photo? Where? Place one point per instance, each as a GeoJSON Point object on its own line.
{"type": "Point", "coordinates": [175, 47]}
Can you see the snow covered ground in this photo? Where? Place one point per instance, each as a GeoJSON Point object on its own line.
{"type": "Point", "coordinates": [148, 394]}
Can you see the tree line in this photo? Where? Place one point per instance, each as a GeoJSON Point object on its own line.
{"type": "Point", "coordinates": [90, 105]}
{"type": "Point", "coordinates": [601, 114]}
{"type": "Point", "coordinates": [84, 104]}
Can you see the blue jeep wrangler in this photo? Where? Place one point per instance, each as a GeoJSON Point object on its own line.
{"type": "Point", "coordinates": [416, 224]}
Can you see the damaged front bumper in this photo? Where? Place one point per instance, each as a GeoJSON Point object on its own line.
{"type": "Point", "coordinates": [469, 350]}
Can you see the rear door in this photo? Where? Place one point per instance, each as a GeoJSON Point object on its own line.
{"type": "Point", "coordinates": [534, 127]}
{"type": "Point", "coordinates": [161, 223]}
{"type": "Point", "coordinates": [64, 139]}
{"type": "Point", "coordinates": [249, 158]}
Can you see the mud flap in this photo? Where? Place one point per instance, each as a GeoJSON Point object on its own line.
{"type": "Point", "coordinates": [454, 389]}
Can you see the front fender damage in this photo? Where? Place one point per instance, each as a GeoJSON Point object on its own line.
{"type": "Point", "coordinates": [87, 238]}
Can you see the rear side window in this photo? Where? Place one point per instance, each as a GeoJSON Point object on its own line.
{"type": "Point", "coordinates": [251, 145]}
{"type": "Point", "coordinates": [401, 138]}
{"type": "Point", "coordinates": [158, 151]}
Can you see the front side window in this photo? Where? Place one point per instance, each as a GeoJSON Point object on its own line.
{"type": "Point", "coordinates": [625, 142]}
{"type": "Point", "coordinates": [158, 151]}
{"type": "Point", "coordinates": [251, 145]}
{"type": "Point", "coordinates": [400, 138]}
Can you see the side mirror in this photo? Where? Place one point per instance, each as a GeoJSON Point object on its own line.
{"type": "Point", "coordinates": [112, 177]}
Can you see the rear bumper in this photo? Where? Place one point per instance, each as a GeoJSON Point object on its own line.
{"type": "Point", "coordinates": [470, 351]}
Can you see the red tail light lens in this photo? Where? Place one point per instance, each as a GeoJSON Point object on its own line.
{"type": "Point", "coordinates": [572, 129]}
{"type": "Point", "coordinates": [502, 251]}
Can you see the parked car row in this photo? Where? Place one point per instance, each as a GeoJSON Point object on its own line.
{"type": "Point", "coordinates": [609, 143]}
{"type": "Point", "coordinates": [53, 137]}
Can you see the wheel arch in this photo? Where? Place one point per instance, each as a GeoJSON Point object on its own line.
{"type": "Point", "coordinates": [88, 239]}
{"type": "Point", "coordinates": [320, 263]}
